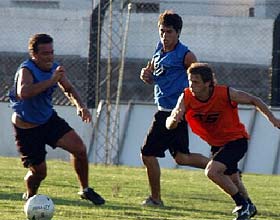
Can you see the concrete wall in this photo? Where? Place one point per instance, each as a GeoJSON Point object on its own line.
{"type": "Point", "coordinates": [214, 39]}
{"type": "Point", "coordinates": [263, 154]}
{"type": "Point", "coordinates": [267, 8]}
{"type": "Point", "coordinates": [69, 28]}
{"type": "Point", "coordinates": [62, 4]}
{"type": "Point", "coordinates": [7, 144]}
{"type": "Point", "coordinates": [209, 7]}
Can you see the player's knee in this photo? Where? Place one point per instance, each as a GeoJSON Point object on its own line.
{"type": "Point", "coordinates": [148, 160]}
{"type": "Point", "coordinates": [179, 161]}
{"type": "Point", "coordinates": [43, 175]}
{"type": "Point", "coordinates": [182, 159]}
{"type": "Point", "coordinates": [80, 152]}
{"type": "Point", "coordinates": [236, 179]}
{"type": "Point", "coordinates": [236, 182]}
{"type": "Point", "coordinates": [40, 175]}
{"type": "Point", "coordinates": [210, 173]}
{"type": "Point", "coordinates": [145, 159]}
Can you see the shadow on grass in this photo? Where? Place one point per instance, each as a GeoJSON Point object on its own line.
{"type": "Point", "coordinates": [130, 209]}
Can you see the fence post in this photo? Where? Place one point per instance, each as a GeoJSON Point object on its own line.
{"type": "Point", "coordinates": [275, 88]}
{"type": "Point", "coordinates": [93, 65]}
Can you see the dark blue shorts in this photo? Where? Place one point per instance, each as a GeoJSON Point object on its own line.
{"type": "Point", "coordinates": [159, 138]}
{"type": "Point", "coordinates": [31, 143]}
{"type": "Point", "coordinates": [230, 154]}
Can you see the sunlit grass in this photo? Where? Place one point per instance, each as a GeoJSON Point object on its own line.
{"type": "Point", "coordinates": [187, 194]}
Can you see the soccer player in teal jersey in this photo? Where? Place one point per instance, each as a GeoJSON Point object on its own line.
{"type": "Point", "coordinates": [167, 71]}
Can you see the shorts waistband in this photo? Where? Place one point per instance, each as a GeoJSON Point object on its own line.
{"type": "Point", "coordinates": [164, 109]}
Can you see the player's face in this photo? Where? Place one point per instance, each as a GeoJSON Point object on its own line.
{"type": "Point", "coordinates": [168, 37]}
{"type": "Point", "coordinates": [198, 88]}
{"type": "Point", "coordinates": [44, 57]}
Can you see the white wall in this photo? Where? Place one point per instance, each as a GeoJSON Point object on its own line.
{"type": "Point", "coordinates": [69, 28]}
{"type": "Point", "coordinates": [63, 4]}
{"type": "Point", "coordinates": [7, 143]}
{"type": "Point", "coordinates": [213, 39]}
{"type": "Point", "coordinates": [209, 7]}
{"type": "Point", "coordinates": [267, 8]}
{"type": "Point", "coordinates": [262, 157]}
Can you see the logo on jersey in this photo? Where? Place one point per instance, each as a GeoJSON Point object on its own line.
{"type": "Point", "coordinates": [207, 117]}
{"type": "Point", "coordinates": [159, 70]}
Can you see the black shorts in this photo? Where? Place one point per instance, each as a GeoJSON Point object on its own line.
{"type": "Point", "coordinates": [230, 154]}
{"type": "Point", "coordinates": [159, 138]}
{"type": "Point", "coordinates": [31, 143]}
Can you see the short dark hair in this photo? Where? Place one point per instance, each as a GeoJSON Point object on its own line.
{"type": "Point", "coordinates": [169, 18]}
{"type": "Point", "coordinates": [204, 70]}
{"type": "Point", "coordinates": [37, 39]}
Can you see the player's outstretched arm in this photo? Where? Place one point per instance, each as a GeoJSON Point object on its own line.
{"type": "Point", "coordinates": [242, 97]}
{"type": "Point", "coordinates": [177, 114]}
{"type": "Point", "coordinates": [73, 96]}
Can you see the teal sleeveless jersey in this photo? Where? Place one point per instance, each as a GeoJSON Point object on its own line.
{"type": "Point", "coordinates": [170, 78]}
{"type": "Point", "coordinates": [37, 109]}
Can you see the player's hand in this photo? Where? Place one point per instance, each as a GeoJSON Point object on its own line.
{"type": "Point", "coordinates": [84, 114]}
{"type": "Point", "coordinates": [173, 120]}
{"type": "Point", "coordinates": [177, 114]}
{"type": "Point", "coordinates": [58, 74]}
{"type": "Point", "coordinates": [171, 123]}
{"type": "Point", "coordinates": [146, 74]}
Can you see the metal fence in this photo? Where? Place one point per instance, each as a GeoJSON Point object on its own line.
{"type": "Point", "coordinates": [92, 44]}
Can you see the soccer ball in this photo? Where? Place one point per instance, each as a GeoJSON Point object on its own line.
{"type": "Point", "coordinates": [39, 207]}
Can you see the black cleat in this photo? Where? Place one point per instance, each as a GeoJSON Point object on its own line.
{"type": "Point", "coordinates": [253, 210]}
{"type": "Point", "coordinates": [91, 195]}
{"type": "Point", "coordinates": [243, 212]}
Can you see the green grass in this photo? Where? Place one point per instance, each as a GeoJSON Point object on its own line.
{"type": "Point", "coordinates": [187, 194]}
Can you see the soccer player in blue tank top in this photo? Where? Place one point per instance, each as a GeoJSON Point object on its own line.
{"type": "Point", "coordinates": [36, 123]}
{"type": "Point", "coordinates": [167, 71]}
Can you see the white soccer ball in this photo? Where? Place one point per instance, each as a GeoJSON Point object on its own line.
{"type": "Point", "coordinates": [39, 207]}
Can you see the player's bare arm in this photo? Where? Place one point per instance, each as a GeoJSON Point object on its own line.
{"type": "Point", "coordinates": [27, 89]}
{"type": "Point", "coordinates": [242, 97]}
{"type": "Point", "coordinates": [189, 59]}
{"type": "Point", "coordinates": [177, 114]}
{"type": "Point", "coordinates": [73, 96]}
{"type": "Point", "coordinates": [146, 74]}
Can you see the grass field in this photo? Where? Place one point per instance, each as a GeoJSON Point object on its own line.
{"type": "Point", "coordinates": [187, 194]}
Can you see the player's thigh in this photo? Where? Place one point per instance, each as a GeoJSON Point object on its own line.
{"type": "Point", "coordinates": [71, 142]}
{"type": "Point", "coordinates": [214, 167]}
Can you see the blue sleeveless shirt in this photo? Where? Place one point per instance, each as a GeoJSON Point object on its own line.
{"type": "Point", "coordinates": [170, 78]}
{"type": "Point", "coordinates": [37, 109]}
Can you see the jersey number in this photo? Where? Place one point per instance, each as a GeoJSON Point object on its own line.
{"type": "Point", "coordinates": [210, 118]}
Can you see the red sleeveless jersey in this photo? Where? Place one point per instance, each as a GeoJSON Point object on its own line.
{"type": "Point", "coordinates": [216, 120]}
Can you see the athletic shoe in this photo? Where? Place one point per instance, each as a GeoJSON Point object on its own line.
{"type": "Point", "coordinates": [243, 212]}
{"type": "Point", "coordinates": [151, 202]}
{"type": "Point", "coordinates": [91, 195]}
{"type": "Point", "coordinates": [253, 210]}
